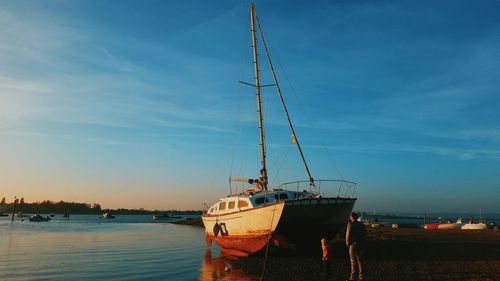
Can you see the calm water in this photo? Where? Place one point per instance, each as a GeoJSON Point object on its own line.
{"type": "Point", "coordinates": [126, 248]}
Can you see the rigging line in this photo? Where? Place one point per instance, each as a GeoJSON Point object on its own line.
{"type": "Point", "coordinates": [308, 119]}
{"type": "Point", "coordinates": [311, 180]}
{"type": "Point", "coordinates": [215, 168]}
{"type": "Point", "coordinates": [267, 245]}
{"type": "Point", "coordinates": [316, 131]}
{"type": "Point", "coordinates": [281, 164]}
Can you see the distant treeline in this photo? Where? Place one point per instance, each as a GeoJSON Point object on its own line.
{"type": "Point", "coordinates": [122, 211]}
{"type": "Point", "coordinates": [61, 207]}
{"type": "Point", "coordinates": [47, 207]}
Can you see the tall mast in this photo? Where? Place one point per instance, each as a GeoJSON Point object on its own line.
{"type": "Point", "coordinates": [263, 171]}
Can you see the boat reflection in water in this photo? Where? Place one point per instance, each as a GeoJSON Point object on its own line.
{"type": "Point", "coordinates": [220, 268]}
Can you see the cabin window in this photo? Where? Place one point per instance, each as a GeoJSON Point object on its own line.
{"type": "Point", "coordinates": [231, 205]}
{"type": "Point", "coordinates": [222, 206]}
{"type": "Point", "coordinates": [211, 210]}
{"type": "Point", "coordinates": [260, 200]}
{"type": "Point", "coordinates": [281, 196]}
{"type": "Point", "coordinates": [242, 203]}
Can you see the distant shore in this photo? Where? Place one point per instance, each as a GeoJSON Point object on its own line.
{"type": "Point", "coordinates": [192, 222]}
{"type": "Point", "coordinates": [77, 208]}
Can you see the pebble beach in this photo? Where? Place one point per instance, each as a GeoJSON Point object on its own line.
{"type": "Point", "coordinates": [393, 254]}
{"type": "Point", "coordinates": [390, 254]}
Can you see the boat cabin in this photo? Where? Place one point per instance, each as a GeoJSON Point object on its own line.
{"type": "Point", "coordinates": [240, 202]}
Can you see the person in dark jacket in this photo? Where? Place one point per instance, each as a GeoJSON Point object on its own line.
{"type": "Point", "coordinates": [354, 239]}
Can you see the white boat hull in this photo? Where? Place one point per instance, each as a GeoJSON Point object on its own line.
{"type": "Point", "coordinates": [450, 226]}
{"type": "Point", "coordinates": [244, 232]}
{"type": "Point", "coordinates": [474, 226]}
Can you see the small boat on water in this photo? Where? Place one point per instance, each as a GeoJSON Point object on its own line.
{"type": "Point", "coordinates": [4, 215]}
{"type": "Point", "coordinates": [37, 218]}
{"type": "Point", "coordinates": [168, 216]}
{"type": "Point", "coordinates": [108, 215]}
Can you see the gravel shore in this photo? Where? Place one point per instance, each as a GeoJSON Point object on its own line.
{"type": "Point", "coordinates": [392, 254]}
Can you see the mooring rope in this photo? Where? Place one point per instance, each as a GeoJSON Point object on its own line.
{"type": "Point", "coordinates": [267, 245]}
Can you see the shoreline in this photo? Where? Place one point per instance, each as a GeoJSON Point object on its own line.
{"type": "Point", "coordinates": [390, 254]}
{"type": "Point", "coordinates": [191, 222]}
{"type": "Point", "coordinates": [394, 254]}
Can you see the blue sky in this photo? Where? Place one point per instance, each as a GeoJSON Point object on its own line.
{"type": "Point", "coordinates": [136, 104]}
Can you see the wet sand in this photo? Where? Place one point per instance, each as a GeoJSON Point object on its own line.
{"type": "Point", "coordinates": [399, 254]}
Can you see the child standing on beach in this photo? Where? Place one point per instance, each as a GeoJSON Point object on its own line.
{"type": "Point", "coordinates": [326, 258]}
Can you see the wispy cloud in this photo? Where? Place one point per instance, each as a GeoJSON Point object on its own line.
{"type": "Point", "coordinates": [35, 134]}
{"type": "Point", "coordinates": [72, 73]}
{"type": "Point", "coordinates": [461, 154]}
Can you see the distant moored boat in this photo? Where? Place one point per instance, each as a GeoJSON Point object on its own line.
{"type": "Point", "coordinates": [37, 218]}
{"type": "Point", "coordinates": [165, 217]}
{"type": "Point", "coordinates": [108, 215]}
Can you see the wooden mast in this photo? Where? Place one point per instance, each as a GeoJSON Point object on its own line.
{"type": "Point", "coordinates": [263, 171]}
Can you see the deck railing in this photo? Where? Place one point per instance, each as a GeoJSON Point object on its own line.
{"type": "Point", "coordinates": [325, 188]}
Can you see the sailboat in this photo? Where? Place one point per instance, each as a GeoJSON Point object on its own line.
{"type": "Point", "coordinates": [289, 215]}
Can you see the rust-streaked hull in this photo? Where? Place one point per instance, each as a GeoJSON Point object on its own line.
{"type": "Point", "coordinates": [300, 224]}
{"type": "Point", "coordinates": [241, 245]}
{"type": "Point", "coordinates": [244, 232]}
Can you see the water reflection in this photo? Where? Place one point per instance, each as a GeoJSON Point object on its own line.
{"type": "Point", "coordinates": [83, 249]}
{"type": "Point", "coordinates": [221, 269]}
